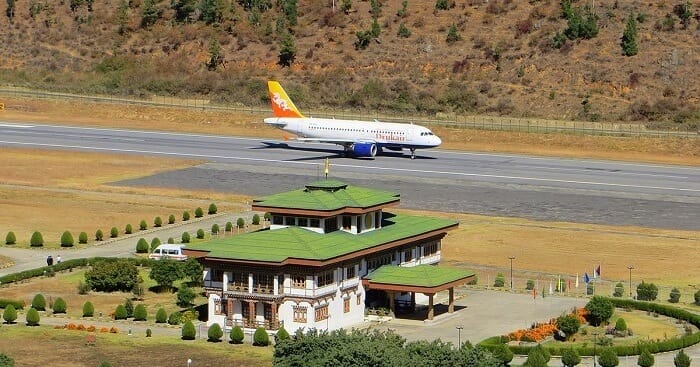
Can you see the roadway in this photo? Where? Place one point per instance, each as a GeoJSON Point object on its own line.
{"type": "Point", "coordinates": [544, 188]}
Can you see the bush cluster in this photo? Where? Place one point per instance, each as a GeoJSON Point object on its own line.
{"type": "Point", "coordinates": [37, 240]}
{"type": "Point", "coordinates": [500, 280]}
{"type": "Point", "coordinates": [18, 305]}
{"type": "Point", "coordinates": [161, 316]}
{"type": "Point", "coordinates": [212, 209]}
{"type": "Point", "coordinates": [185, 216]}
{"type": "Point", "coordinates": [120, 313]}
{"type": "Point", "coordinates": [9, 314]}
{"type": "Point", "coordinates": [128, 229]}
{"type": "Point", "coordinates": [113, 232]}
{"type": "Point", "coordinates": [647, 291]}
{"type": "Point", "coordinates": [82, 238]}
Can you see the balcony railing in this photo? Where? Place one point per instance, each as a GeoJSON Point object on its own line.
{"type": "Point", "coordinates": [252, 324]}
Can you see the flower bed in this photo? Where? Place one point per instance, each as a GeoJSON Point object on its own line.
{"type": "Point", "coordinates": [90, 328]}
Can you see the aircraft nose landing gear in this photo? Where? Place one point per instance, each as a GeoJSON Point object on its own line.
{"type": "Point", "coordinates": [413, 153]}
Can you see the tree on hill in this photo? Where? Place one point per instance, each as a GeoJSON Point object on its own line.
{"type": "Point", "coordinates": [452, 35]}
{"type": "Point", "coordinates": [629, 37]}
{"type": "Point", "coordinates": [212, 11]}
{"type": "Point", "coordinates": [288, 50]}
{"type": "Point", "coordinates": [165, 272]}
{"type": "Point", "coordinates": [149, 14]}
{"type": "Point", "coordinates": [216, 55]}
{"type": "Point", "coordinates": [183, 9]}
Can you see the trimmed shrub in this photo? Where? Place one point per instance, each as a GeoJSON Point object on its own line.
{"type": "Point", "coordinates": [114, 232]}
{"type": "Point", "coordinates": [99, 235]}
{"type": "Point", "coordinates": [188, 331]}
{"type": "Point", "coordinates": [129, 307]}
{"type": "Point", "coordinates": [620, 324]}
{"type": "Point", "coordinates": [619, 290]}
{"type": "Point", "coordinates": [155, 242]}
{"type": "Point", "coordinates": [281, 334]}
{"type": "Point", "coordinates": [18, 305]}
{"type": "Point", "coordinates": [600, 309]}
{"type": "Point", "coordinates": [198, 213]}
{"type": "Point", "coordinates": [149, 333]}
{"type": "Point", "coordinates": [674, 296]}
{"type": "Point", "coordinates": [88, 309]}
{"type": "Point", "coordinates": [10, 239]}
{"type": "Point", "coordinates": [697, 298]}
{"type": "Point", "coordinates": [267, 217]}
{"type": "Point", "coordinates": [260, 338]}
{"type": "Point", "coordinates": [570, 357]}
{"type": "Point", "coordinates": [174, 318]}
{"type": "Point", "coordinates": [33, 317]}
{"type": "Point", "coordinates": [535, 359]}
{"type": "Point", "coordinates": [647, 291]}
{"type": "Point", "coordinates": [185, 296]}
{"type": "Point", "coordinates": [215, 333]}
{"type": "Point", "coordinates": [39, 302]}
{"type": "Point", "coordinates": [500, 280]}
{"type": "Point", "coordinates": [83, 288]}
{"type": "Point", "coordinates": [530, 285]}
{"type": "Point", "coordinates": [143, 225]}
{"type": "Point", "coordinates": [161, 316]}
{"type": "Point", "coordinates": [67, 239]}
{"type": "Point", "coordinates": [212, 209]}
{"type": "Point", "coordinates": [59, 305]}
{"type": "Point", "coordinates": [645, 359]}
{"type": "Point", "coordinates": [142, 246]}
{"type": "Point", "coordinates": [237, 335]}
{"type": "Point", "coordinates": [128, 229]}
{"type": "Point", "coordinates": [140, 313]}
{"type": "Point", "coordinates": [503, 354]}
{"type": "Point", "coordinates": [171, 219]}
{"type": "Point", "coordinates": [6, 361]}
{"type": "Point", "coordinates": [185, 237]}
{"type": "Point", "coordinates": [82, 238]}
{"type": "Point", "coordinates": [681, 359]}
{"type": "Point", "coordinates": [256, 219]}
{"type": "Point", "coordinates": [200, 234]}
{"type": "Point", "coordinates": [37, 240]}
{"type": "Point", "coordinates": [240, 222]}
{"type": "Point", "coordinates": [608, 357]}
{"type": "Point", "coordinates": [229, 227]}
{"type": "Point", "coordinates": [171, 240]}
{"type": "Point", "coordinates": [568, 324]}
{"type": "Point", "coordinates": [120, 313]}
{"type": "Point", "coordinates": [186, 216]}
{"type": "Point", "coordinates": [10, 314]}
{"type": "Point", "coordinates": [215, 228]}
{"type": "Point", "coordinates": [158, 222]}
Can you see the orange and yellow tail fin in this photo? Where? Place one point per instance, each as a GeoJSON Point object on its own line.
{"type": "Point", "coordinates": [282, 105]}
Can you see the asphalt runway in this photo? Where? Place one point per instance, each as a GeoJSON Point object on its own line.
{"type": "Point", "coordinates": [544, 188]}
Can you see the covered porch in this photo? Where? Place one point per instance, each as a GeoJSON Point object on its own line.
{"type": "Point", "coordinates": [425, 279]}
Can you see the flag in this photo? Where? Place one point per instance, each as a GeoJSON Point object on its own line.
{"type": "Point", "coordinates": [543, 292]}
{"type": "Point", "coordinates": [586, 278]}
{"type": "Point", "coordinates": [576, 280]}
{"type": "Point", "coordinates": [551, 291]}
{"type": "Point", "coordinates": [597, 270]}
{"type": "Point", "coordinates": [595, 275]}
{"type": "Point", "coordinates": [534, 293]}
{"type": "Point", "coordinates": [568, 285]}
{"type": "Point", "coordinates": [325, 169]}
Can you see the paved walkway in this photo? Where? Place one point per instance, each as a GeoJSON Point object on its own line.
{"type": "Point", "coordinates": [123, 246]}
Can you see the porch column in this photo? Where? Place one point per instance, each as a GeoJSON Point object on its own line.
{"type": "Point", "coordinates": [431, 311]}
{"type": "Point", "coordinates": [391, 304]}
{"type": "Point", "coordinates": [251, 312]}
{"type": "Point", "coordinates": [229, 308]}
{"type": "Point", "coordinates": [225, 281]}
{"type": "Point", "coordinates": [413, 301]}
{"type": "Point", "coordinates": [276, 285]}
{"type": "Point", "coordinates": [451, 307]}
{"type": "Point", "coordinates": [250, 282]}
{"type": "Point", "coordinates": [273, 322]}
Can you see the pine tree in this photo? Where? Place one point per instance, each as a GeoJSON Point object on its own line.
{"type": "Point", "coordinates": [645, 359]}
{"type": "Point", "coordinates": [681, 359]}
{"type": "Point", "coordinates": [123, 17]}
{"type": "Point", "coordinates": [629, 37]}
{"type": "Point", "coordinates": [216, 58]}
{"type": "Point", "coordinates": [452, 35]}
{"type": "Point", "coordinates": [150, 13]}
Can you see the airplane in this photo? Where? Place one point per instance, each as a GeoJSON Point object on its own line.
{"type": "Point", "coordinates": [361, 139]}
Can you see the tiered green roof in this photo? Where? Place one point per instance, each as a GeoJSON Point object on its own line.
{"type": "Point", "coordinates": [419, 276]}
{"type": "Point", "coordinates": [328, 195]}
{"type": "Point", "coordinates": [294, 242]}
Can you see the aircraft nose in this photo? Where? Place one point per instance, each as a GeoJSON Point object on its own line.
{"type": "Point", "coordinates": [438, 141]}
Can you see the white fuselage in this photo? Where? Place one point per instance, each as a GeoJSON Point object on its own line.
{"type": "Point", "coordinates": [383, 134]}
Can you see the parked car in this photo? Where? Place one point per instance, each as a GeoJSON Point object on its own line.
{"type": "Point", "coordinates": [173, 252]}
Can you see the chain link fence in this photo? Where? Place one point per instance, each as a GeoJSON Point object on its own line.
{"type": "Point", "coordinates": [480, 122]}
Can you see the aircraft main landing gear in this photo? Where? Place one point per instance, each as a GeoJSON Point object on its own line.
{"type": "Point", "coordinates": [413, 153]}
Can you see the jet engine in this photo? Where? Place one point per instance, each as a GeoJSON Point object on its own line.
{"type": "Point", "coordinates": [364, 150]}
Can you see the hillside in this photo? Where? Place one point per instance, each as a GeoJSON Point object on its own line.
{"type": "Point", "coordinates": [501, 61]}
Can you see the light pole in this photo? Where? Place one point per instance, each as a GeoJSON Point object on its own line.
{"type": "Point", "coordinates": [459, 337]}
{"type": "Point", "coordinates": [511, 271]}
{"type": "Point", "coordinates": [630, 267]}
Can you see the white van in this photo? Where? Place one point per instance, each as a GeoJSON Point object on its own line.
{"type": "Point", "coordinates": [173, 252]}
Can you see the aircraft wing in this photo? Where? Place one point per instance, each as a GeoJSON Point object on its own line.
{"type": "Point", "coordinates": [343, 142]}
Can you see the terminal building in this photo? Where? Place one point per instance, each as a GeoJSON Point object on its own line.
{"type": "Point", "coordinates": [331, 251]}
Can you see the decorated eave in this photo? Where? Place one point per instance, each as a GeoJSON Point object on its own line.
{"type": "Point", "coordinates": [326, 198]}
{"type": "Point", "coordinates": [426, 279]}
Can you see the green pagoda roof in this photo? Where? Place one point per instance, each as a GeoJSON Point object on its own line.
{"type": "Point", "coordinates": [419, 275]}
{"type": "Point", "coordinates": [281, 244]}
{"type": "Point", "coordinates": [327, 195]}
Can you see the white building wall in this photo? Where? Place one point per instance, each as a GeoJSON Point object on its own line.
{"type": "Point", "coordinates": [213, 317]}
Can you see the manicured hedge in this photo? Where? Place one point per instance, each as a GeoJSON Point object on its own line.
{"type": "Point", "coordinates": [17, 304]}
{"type": "Point", "coordinates": [624, 350]}
{"type": "Point", "coordinates": [65, 265]}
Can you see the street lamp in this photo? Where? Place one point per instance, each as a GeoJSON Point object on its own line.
{"type": "Point", "coordinates": [511, 271]}
{"type": "Point", "coordinates": [630, 267]}
{"type": "Point", "coordinates": [459, 337]}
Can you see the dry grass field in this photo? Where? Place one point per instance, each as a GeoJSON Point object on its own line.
{"type": "Point", "coordinates": [660, 150]}
{"type": "Point", "coordinates": [54, 191]}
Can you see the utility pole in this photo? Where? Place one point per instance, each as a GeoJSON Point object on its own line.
{"type": "Point", "coordinates": [459, 337]}
{"type": "Point", "coordinates": [511, 271]}
{"type": "Point", "coordinates": [630, 267]}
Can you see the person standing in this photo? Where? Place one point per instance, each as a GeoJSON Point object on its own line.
{"type": "Point", "coordinates": [58, 259]}
{"type": "Point", "coordinates": [49, 260]}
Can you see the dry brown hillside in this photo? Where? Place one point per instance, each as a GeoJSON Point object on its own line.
{"type": "Point", "coordinates": [502, 63]}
